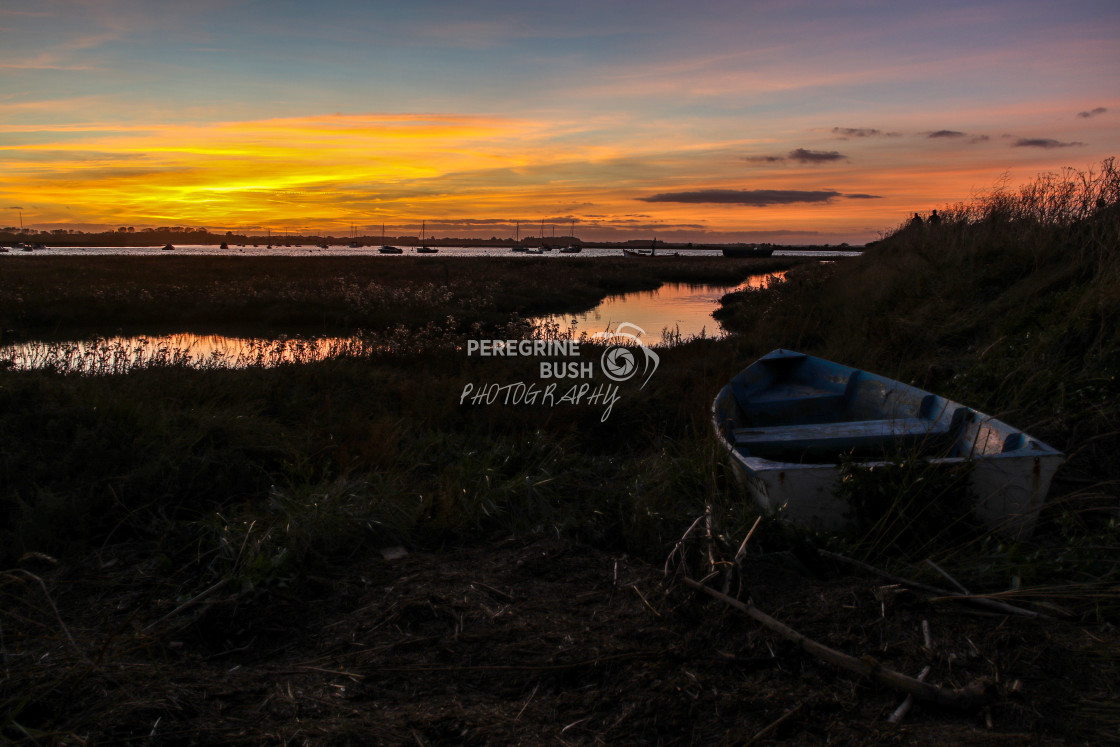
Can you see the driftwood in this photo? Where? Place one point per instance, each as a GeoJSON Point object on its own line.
{"type": "Point", "coordinates": [975, 694]}
{"type": "Point", "coordinates": [982, 601]}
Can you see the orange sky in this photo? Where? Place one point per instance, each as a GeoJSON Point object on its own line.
{"type": "Point", "coordinates": [720, 121]}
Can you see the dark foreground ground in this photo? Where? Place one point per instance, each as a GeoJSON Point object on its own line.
{"type": "Point", "coordinates": [530, 641]}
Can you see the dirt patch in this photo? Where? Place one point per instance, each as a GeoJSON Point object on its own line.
{"type": "Point", "coordinates": [525, 642]}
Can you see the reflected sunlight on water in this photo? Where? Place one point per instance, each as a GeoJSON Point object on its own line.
{"type": "Point", "coordinates": [672, 313]}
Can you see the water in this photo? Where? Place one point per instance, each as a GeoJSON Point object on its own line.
{"type": "Point", "coordinates": [673, 312]}
{"type": "Point", "coordinates": [345, 251]}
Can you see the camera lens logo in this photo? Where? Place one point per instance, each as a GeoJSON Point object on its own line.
{"type": "Point", "coordinates": [620, 361]}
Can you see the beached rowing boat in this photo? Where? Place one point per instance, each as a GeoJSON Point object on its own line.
{"type": "Point", "coordinates": [789, 419]}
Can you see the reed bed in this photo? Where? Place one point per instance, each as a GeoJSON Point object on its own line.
{"type": "Point", "coordinates": [52, 298]}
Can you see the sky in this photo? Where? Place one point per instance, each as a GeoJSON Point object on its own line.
{"type": "Point", "coordinates": [792, 121]}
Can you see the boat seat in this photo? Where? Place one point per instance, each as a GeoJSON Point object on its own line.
{"type": "Point", "coordinates": [840, 435]}
{"type": "Point", "coordinates": [791, 403]}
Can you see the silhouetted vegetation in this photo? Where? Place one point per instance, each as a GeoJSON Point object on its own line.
{"type": "Point", "coordinates": [68, 297]}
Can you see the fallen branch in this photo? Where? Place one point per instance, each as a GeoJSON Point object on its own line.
{"type": "Point", "coordinates": [904, 708]}
{"type": "Point", "coordinates": [971, 696]}
{"type": "Point", "coordinates": [950, 579]}
{"type": "Point", "coordinates": [677, 547]}
{"type": "Point", "coordinates": [775, 724]}
{"type": "Point", "coordinates": [190, 602]}
{"type": "Point", "coordinates": [982, 601]}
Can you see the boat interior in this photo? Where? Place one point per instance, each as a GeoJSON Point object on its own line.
{"type": "Point", "coordinates": [794, 408]}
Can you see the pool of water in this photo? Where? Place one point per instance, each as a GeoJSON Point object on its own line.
{"type": "Point", "coordinates": [671, 313]}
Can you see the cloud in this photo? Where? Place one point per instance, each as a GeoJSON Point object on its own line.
{"type": "Point", "coordinates": [1042, 142]}
{"type": "Point", "coordinates": [860, 196]}
{"type": "Point", "coordinates": [756, 197]}
{"type": "Point", "coordinates": [1092, 112]}
{"type": "Point", "coordinates": [814, 156]}
{"type": "Point", "coordinates": [801, 155]}
{"type": "Point", "coordinates": [847, 132]}
{"type": "Point", "coordinates": [955, 135]}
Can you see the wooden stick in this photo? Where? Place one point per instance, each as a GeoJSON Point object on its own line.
{"type": "Point", "coordinates": [951, 580]}
{"type": "Point", "coordinates": [904, 708]}
{"type": "Point", "coordinates": [708, 534]}
{"type": "Point", "coordinates": [743, 547]}
{"type": "Point", "coordinates": [677, 546]}
{"type": "Point", "coordinates": [973, 695]}
{"type": "Point", "coordinates": [774, 725]}
{"type": "Point", "coordinates": [942, 593]}
{"type": "Point", "coordinates": [190, 602]}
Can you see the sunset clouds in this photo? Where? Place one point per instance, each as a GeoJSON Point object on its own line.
{"type": "Point", "coordinates": [714, 120]}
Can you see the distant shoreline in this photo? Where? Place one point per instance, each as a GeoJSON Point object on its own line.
{"type": "Point", "coordinates": [140, 239]}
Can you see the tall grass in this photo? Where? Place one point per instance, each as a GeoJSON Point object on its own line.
{"type": "Point", "coordinates": [67, 297]}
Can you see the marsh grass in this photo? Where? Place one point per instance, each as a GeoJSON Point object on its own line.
{"type": "Point", "coordinates": [906, 508]}
{"type": "Point", "coordinates": [53, 298]}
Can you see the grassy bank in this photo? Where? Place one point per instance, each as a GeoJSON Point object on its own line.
{"type": "Point", "coordinates": [188, 524]}
{"type": "Point", "coordinates": [67, 297]}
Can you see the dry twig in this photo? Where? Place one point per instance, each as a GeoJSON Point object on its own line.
{"type": "Point", "coordinates": [982, 601]}
{"type": "Point", "coordinates": [973, 695]}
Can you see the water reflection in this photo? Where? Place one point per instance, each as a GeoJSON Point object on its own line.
{"type": "Point", "coordinates": [114, 355]}
{"type": "Point", "coordinates": [673, 312]}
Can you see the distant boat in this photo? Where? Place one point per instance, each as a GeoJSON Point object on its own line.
{"type": "Point", "coordinates": [572, 248]}
{"type": "Point", "coordinates": [517, 239]}
{"type": "Point", "coordinates": [641, 252]}
{"type": "Point", "coordinates": [385, 248]}
{"type": "Point", "coordinates": [224, 246]}
{"type": "Point", "coordinates": [544, 244]}
{"type": "Point", "coordinates": [168, 248]}
{"type": "Point", "coordinates": [790, 420]}
{"type": "Point", "coordinates": [423, 248]}
{"type": "Point", "coordinates": [747, 251]}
